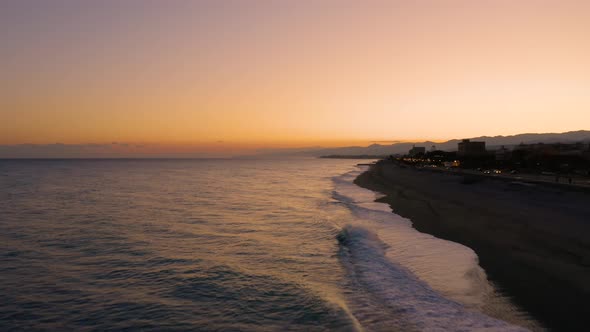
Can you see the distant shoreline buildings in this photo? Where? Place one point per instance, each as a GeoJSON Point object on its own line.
{"type": "Point", "coordinates": [548, 157]}
{"type": "Point", "coordinates": [417, 150]}
{"type": "Point", "coordinates": [467, 148]}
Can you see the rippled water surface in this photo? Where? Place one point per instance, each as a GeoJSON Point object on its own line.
{"type": "Point", "coordinates": [249, 245]}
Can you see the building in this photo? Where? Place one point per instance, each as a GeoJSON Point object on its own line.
{"type": "Point", "coordinates": [468, 148]}
{"type": "Point", "coordinates": [416, 150]}
{"type": "Point", "coordinates": [503, 154]}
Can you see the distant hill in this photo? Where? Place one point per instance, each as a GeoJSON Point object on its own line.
{"type": "Point", "coordinates": [491, 142]}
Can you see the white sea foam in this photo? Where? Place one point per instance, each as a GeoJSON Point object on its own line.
{"type": "Point", "coordinates": [436, 284]}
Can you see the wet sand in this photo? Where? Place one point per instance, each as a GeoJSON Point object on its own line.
{"type": "Point", "coordinates": [533, 240]}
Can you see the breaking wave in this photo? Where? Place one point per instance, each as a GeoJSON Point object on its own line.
{"type": "Point", "coordinates": [415, 280]}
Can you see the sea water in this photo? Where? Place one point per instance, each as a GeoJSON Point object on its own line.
{"type": "Point", "coordinates": [249, 245]}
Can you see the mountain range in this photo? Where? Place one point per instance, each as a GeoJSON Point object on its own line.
{"type": "Point", "coordinates": [451, 145]}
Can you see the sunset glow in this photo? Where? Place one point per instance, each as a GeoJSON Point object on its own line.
{"type": "Point", "coordinates": [242, 75]}
{"type": "Point", "coordinates": [295, 165]}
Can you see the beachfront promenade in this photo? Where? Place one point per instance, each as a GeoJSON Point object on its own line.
{"type": "Point", "coordinates": [552, 180]}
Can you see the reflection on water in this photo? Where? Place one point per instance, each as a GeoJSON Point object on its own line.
{"type": "Point", "coordinates": [196, 244]}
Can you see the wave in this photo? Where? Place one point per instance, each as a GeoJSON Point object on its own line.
{"type": "Point", "coordinates": [421, 281]}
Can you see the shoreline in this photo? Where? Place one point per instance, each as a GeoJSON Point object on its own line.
{"type": "Point", "coordinates": [532, 241]}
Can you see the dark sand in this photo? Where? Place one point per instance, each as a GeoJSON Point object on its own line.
{"type": "Point", "coordinates": [533, 240]}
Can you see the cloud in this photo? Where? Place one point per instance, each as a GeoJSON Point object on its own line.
{"type": "Point", "coordinates": [94, 150]}
{"type": "Point", "coordinates": [57, 150]}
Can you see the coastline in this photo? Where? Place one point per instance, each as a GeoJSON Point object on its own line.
{"type": "Point", "coordinates": [532, 240]}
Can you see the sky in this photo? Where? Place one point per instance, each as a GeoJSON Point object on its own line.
{"type": "Point", "coordinates": [225, 76]}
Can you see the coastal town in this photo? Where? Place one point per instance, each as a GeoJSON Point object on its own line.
{"type": "Point", "coordinates": [523, 209]}
{"type": "Point", "coordinates": [564, 163]}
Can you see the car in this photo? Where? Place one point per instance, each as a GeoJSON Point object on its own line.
{"type": "Point", "coordinates": [487, 171]}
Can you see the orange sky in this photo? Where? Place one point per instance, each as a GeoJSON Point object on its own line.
{"type": "Point", "coordinates": [290, 73]}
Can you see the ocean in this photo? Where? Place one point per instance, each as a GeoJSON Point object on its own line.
{"type": "Point", "coordinates": [226, 245]}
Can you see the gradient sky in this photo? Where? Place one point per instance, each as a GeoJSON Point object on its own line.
{"type": "Point", "coordinates": [215, 75]}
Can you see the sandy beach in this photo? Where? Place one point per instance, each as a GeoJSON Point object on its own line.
{"type": "Point", "coordinates": [533, 240]}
